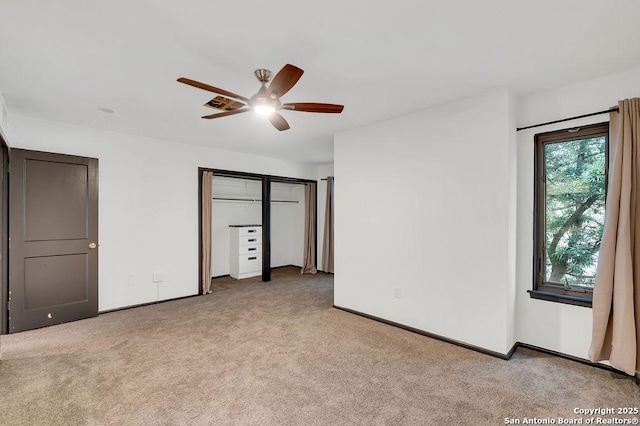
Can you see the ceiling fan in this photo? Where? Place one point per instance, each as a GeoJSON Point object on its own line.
{"type": "Point", "coordinates": [266, 101]}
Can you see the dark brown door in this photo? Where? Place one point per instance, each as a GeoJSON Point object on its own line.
{"type": "Point", "coordinates": [53, 227]}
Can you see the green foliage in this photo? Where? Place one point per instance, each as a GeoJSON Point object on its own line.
{"type": "Point", "coordinates": [575, 196]}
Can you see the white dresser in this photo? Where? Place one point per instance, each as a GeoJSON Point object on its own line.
{"type": "Point", "coordinates": [245, 251]}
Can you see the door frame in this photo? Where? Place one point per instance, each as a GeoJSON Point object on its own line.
{"type": "Point", "coordinates": [266, 212]}
{"type": "Point", "coordinates": [4, 238]}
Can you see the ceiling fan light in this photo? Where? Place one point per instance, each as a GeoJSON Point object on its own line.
{"type": "Point", "coordinates": [264, 109]}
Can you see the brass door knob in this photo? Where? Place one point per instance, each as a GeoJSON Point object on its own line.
{"type": "Point", "coordinates": [92, 246]}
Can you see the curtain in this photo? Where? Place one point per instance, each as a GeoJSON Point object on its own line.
{"type": "Point", "coordinates": [309, 262]}
{"type": "Point", "coordinates": [207, 194]}
{"type": "Point", "coordinates": [327, 242]}
{"type": "Point", "coordinates": [616, 294]}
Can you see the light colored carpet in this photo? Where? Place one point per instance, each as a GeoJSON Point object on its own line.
{"type": "Point", "coordinates": [277, 353]}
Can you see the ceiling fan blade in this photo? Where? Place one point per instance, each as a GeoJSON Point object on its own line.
{"type": "Point", "coordinates": [211, 88]}
{"type": "Point", "coordinates": [226, 113]}
{"type": "Point", "coordinates": [278, 121]}
{"type": "Point", "coordinates": [225, 104]}
{"type": "Point", "coordinates": [314, 107]}
{"type": "Point", "coordinates": [286, 78]}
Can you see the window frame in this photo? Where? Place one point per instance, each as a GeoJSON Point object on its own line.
{"type": "Point", "coordinates": [541, 289]}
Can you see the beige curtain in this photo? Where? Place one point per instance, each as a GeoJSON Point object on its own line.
{"type": "Point", "coordinates": [616, 296]}
{"type": "Point", "coordinates": [207, 194]}
{"type": "Point", "coordinates": [327, 242]}
{"type": "Point", "coordinates": [308, 262]}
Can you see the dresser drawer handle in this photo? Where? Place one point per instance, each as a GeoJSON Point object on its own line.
{"type": "Point", "coordinates": [251, 230]}
{"type": "Point", "coordinates": [253, 258]}
{"type": "Point", "coordinates": [253, 248]}
{"type": "Point", "coordinates": [252, 240]}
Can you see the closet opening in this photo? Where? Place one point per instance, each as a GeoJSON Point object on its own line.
{"type": "Point", "coordinates": [236, 227]}
{"type": "Point", "coordinates": [288, 209]}
{"type": "Point", "coordinates": [250, 223]}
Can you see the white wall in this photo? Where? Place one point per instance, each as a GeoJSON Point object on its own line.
{"type": "Point", "coordinates": [287, 224]}
{"type": "Point", "coordinates": [555, 326]}
{"type": "Point", "coordinates": [148, 203]}
{"type": "Point", "coordinates": [323, 171]}
{"type": "Point", "coordinates": [225, 213]}
{"type": "Point", "coordinates": [424, 204]}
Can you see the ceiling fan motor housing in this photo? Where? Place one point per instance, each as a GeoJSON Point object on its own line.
{"type": "Point", "coordinates": [263, 75]}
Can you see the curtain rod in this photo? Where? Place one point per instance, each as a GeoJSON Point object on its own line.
{"type": "Point", "coordinates": [253, 200]}
{"type": "Point", "coordinates": [616, 109]}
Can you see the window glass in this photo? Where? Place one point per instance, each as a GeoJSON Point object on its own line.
{"type": "Point", "coordinates": [574, 210]}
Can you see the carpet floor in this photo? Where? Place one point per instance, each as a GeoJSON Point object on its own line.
{"type": "Point", "coordinates": [278, 353]}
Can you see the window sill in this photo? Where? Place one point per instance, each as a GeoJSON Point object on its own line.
{"type": "Point", "coordinates": [560, 298]}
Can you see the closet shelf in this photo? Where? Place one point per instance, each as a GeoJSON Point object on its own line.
{"type": "Point", "coordinates": [253, 200]}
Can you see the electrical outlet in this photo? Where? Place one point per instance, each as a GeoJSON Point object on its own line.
{"type": "Point", "coordinates": [130, 281]}
{"type": "Point", "coordinates": [397, 292]}
{"type": "Point", "coordinates": [157, 277]}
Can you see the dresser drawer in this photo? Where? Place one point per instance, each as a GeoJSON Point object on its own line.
{"type": "Point", "coordinates": [250, 230]}
{"type": "Point", "coordinates": [252, 249]}
{"type": "Point", "coordinates": [250, 240]}
{"type": "Point", "coordinates": [250, 262]}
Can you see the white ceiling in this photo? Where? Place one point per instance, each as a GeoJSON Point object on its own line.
{"type": "Point", "coordinates": [62, 60]}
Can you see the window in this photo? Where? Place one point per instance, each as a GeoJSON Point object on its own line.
{"type": "Point", "coordinates": [570, 192]}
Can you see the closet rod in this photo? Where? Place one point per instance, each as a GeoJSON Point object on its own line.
{"type": "Point", "coordinates": [253, 200]}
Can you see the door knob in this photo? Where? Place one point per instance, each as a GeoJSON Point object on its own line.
{"type": "Point", "coordinates": [92, 246]}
